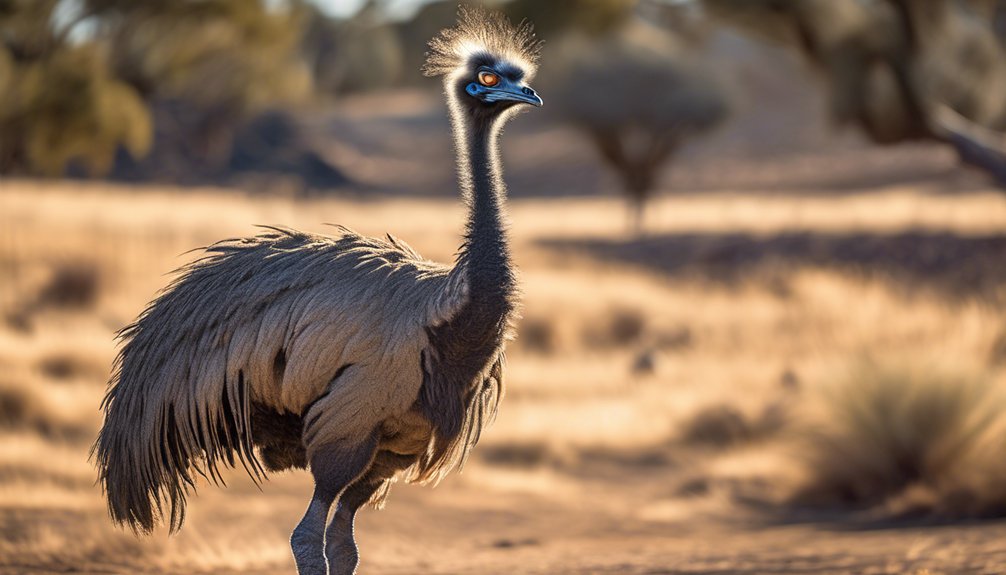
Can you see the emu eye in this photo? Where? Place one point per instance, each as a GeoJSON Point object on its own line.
{"type": "Point", "coordinates": [488, 79]}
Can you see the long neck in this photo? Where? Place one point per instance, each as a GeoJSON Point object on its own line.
{"type": "Point", "coordinates": [486, 253]}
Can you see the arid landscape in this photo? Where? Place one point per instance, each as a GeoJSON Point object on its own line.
{"type": "Point", "coordinates": [763, 324]}
{"type": "Point", "coordinates": [765, 382]}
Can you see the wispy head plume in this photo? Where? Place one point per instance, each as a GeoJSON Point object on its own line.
{"type": "Point", "coordinates": [481, 30]}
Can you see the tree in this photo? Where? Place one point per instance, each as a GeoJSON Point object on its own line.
{"type": "Point", "coordinates": [214, 62]}
{"type": "Point", "coordinates": [58, 102]}
{"type": "Point", "coordinates": [900, 70]}
{"type": "Point", "coordinates": [639, 96]}
{"type": "Point", "coordinates": [355, 55]}
{"type": "Point", "coordinates": [75, 94]}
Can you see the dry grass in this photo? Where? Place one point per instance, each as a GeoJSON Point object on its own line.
{"type": "Point", "coordinates": [928, 436]}
{"type": "Point", "coordinates": [619, 328]}
{"type": "Point", "coordinates": [720, 426]}
{"type": "Point", "coordinates": [586, 458]}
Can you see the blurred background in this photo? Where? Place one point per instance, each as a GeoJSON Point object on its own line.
{"type": "Point", "coordinates": [762, 242]}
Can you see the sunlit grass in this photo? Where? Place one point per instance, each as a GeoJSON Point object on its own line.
{"type": "Point", "coordinates": [582, 432]}
{"type": "Point", "coordinates": [887, 428]}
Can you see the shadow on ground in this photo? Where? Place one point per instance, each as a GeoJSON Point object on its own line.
{"type": "Point", "coordinates": [954, 265]}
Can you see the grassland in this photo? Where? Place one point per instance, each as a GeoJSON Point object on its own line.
{"type": "Point", "coordinates": [678, 403]}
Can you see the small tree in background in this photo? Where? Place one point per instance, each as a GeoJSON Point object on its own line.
{"type": "Point", "coordinates": [214, 62]}
{"type": "Point", "coordinates": [639, 96]}
{"type": "Point", "coordinates": [58, 102]}
{"type": "Point", "coordinates": [356, 55]}
{"type": "Point", "coordinates": [900, 70]}
{"type": "Point", "coordinates": [81, 80]}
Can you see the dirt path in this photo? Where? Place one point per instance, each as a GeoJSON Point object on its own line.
{"type": "Point", "coordinates": [468, 526]}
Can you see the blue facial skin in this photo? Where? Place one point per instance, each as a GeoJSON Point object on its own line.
{"type": "Point", "coordinates": [505, 90]}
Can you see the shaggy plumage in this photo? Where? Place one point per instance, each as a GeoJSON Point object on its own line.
{"type": "Point", "coordinates": [479, 30]}
{"type": "Point", "coordinates": [269, 320]}
{"type": "Point", "coordinates": [349, 355]}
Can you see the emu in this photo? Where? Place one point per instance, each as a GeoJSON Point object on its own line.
{"type": "Point", "coordinates": [348, 355]}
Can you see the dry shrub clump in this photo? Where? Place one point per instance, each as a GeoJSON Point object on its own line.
{"type": "Point", "coordinates": [518, 454]}
{"type": "Point", "coordinates": [538, 335]}
{"type": "Point", "coordinates": [620, 328]}
{"type": "Point", "coordinates": [910, 440]}
{"type": "Point", "coordinates": [65, 365]}
{"type": "Point", "coordinates": [997, 355]}
{"type": "Point", "coordinates": [717, 425]}
{"type": "Point", "coordinates": [70, 287]}
{"type": "Point", "coordinates": [24, 409]}
{"type": "Point", "coordinates": [723, 426]}
{"type": "Point", "coordinates": [19, 408]}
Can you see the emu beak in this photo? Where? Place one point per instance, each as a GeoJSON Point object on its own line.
{"type": "Point", "coordinates": [514, 93]}
{"type": "Point", "coordinates": [527, 95]}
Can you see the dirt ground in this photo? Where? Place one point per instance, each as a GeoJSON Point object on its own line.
{"type": "Point", "coordinates": [589, 468]}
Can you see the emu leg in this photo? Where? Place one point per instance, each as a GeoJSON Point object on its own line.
{"type": "Point", "coordinates": [334, 468]}
{"type": "Point", "coordinates": [340, 543]}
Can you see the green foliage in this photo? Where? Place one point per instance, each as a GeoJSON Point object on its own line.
{"type": "Point", "coordinates": [76, 111]}
{"type": "Point", "coordinates": [236, 53]}
{"type": "Point", "coordinates": [66, 100]}
{"type": "Point", "coordinates": [58, 101]}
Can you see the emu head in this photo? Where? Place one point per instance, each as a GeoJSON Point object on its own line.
{"type": "Point", "coordinates": [486, 63]}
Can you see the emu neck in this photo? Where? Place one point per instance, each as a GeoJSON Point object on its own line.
{"type": "Point", "coordinates": [485, 254]}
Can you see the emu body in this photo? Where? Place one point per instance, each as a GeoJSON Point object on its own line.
{"type": "Point", "coordinates": [352, 356]}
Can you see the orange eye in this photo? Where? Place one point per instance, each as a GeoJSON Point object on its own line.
{"type": "Point", "coordinates": [488, 79]}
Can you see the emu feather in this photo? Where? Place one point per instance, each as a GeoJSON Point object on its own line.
{"type": "Point", "coordinates": [208, 347]}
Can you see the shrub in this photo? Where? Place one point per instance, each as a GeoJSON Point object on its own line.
{"type": "Point", "coordinates": [22, 408]}
{"type": "Point", "coordinates": [72, 286]}
{"type": "Point", "coordinates": [891, 428]}
{"type": "Point", "coordinates": [621, 327]}
{"type": "Point", "coordinates": [538, 335]}
{"type": "Point", "coordinates": [724, 426]}
{"type": "Point", "coordinates": [997, 355]}
{"type": "Point", "coordinates": [649, 95]}
{"type": "Point", "coordinates": [718, 425]}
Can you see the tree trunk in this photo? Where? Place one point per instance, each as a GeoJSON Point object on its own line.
{"type": "Point", "coordinates": [975, 145]}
